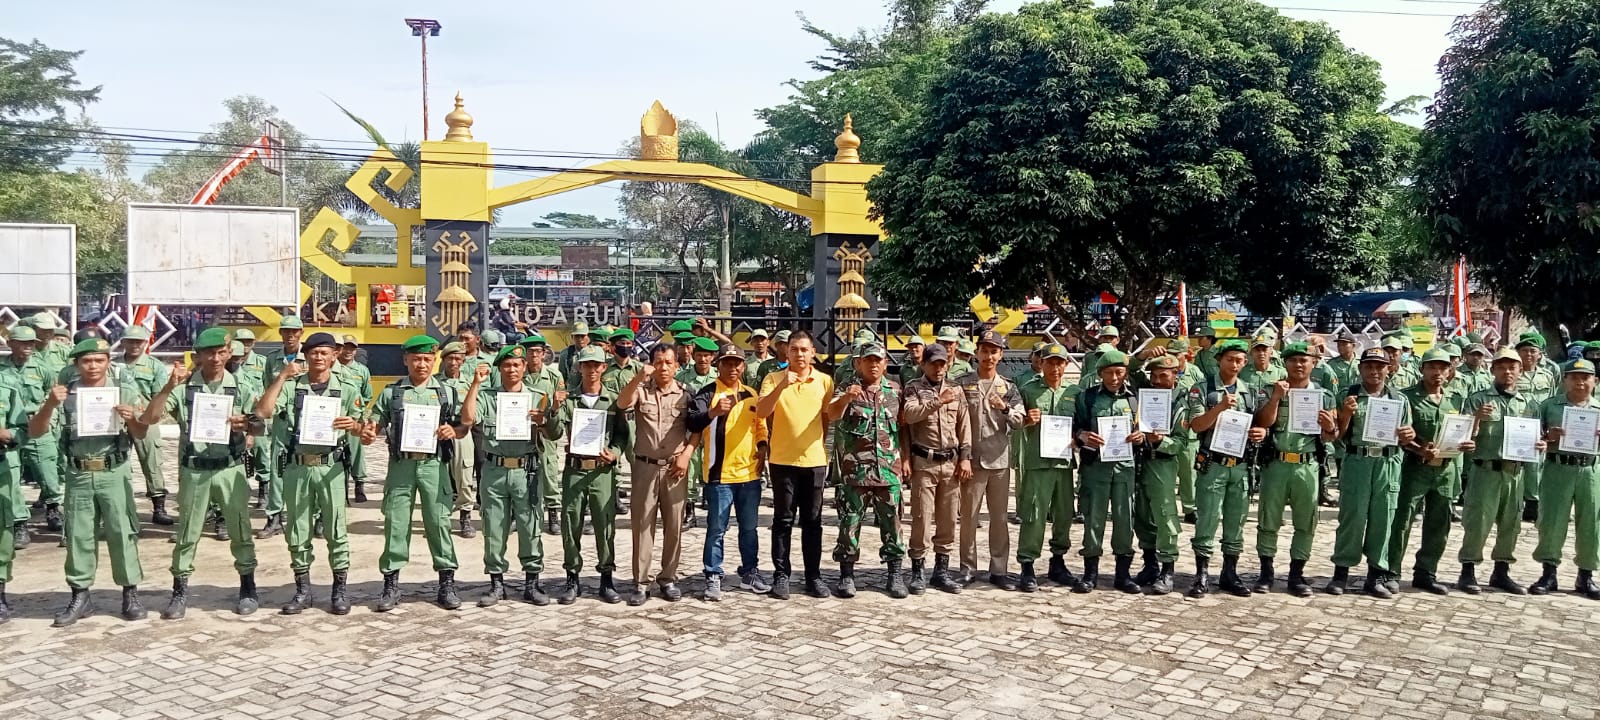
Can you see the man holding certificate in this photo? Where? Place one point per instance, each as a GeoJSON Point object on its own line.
{"type": "Point", "coordinates": [1571, 421]}
{"type": "Point", "coordinates": [596, 433]}
{"type": "Point", "coordinates": [270, 484]}
{"type": "Point", "coordinates": [1220, 411]}
{"type": "Point", "coordinates": [1104, 416]}
{"type": "Point", "coordinates": [1045, 489]}
{"type": "Point", "coordinates": [214, 412]}
{"type": "Point", "coordinates": [542, 376]}
{"type": "Point", "coordinates": [1155, 516]}
{"type": "Point", "coordinates": [1428, 475]}
{"type": "Point", "coordinates": [1300, 415]}
{"type": "Point", "coordinates": [1507, 439]}
{"type": "Point", "coordinates": [1374, 421]}
{"type": "Point", "coordinates": [940, 430]}
{"type": "Point", "coordinates": [419, 417]}
{"type": "Point", "coordinates": [99, 428]}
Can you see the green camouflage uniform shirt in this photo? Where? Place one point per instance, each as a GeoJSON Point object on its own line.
{"type": "Point", "coordinates": [867, 439]}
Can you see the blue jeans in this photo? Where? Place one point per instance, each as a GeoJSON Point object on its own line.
{"type": "Point", "coordinates": [745, 500]}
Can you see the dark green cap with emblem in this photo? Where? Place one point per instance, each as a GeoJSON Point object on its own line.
{"type": "Point", "coordinates": [1578, 367]}
{"type": "Point", "coordinates": [1113, 358]}
{"type": "Point", "coordinates": [1436, 354]}
{"type": "Point", "coordinates": [420, 344]}
{"type": "Point", "coordinates": [90, 346]}
{"type": "Point", "coordinates": [510, 351]}
{"type": "Point", "coordinates": [23, 333]}
{"type": "Point", "coordinates": [1054, 350]}
{"type": "Point", "coordinates": [1161, 362]}
{"type": "Point", "coordinates": [1231, 344]}
{"type": "Point", "coordinates": [1296, 348]}
{"type": "Point", "coordinates": [533, 339]}
{"type": "Point", "coordinates": [622, 334]}
{"type": "Point", "coordinates": [703, 344]}
{"type": "Point", "coordinates": [211, 338]}
{"type": "Point", "coordinates": [680, 326]}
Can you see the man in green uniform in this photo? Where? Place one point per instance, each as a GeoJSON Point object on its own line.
{"type": "Point", "coordinates": [99, 489]}
{"type": "Point", "coordinates": [418, 470]}
{"type": "Point", "coordinates": [1537, 383]}
{"type": "Point", "coordinates": [1108, 335]}
{"type": "Point", "coordinates": [510, 486]}
{"type": "Point", "coordinates": [568, 364]}
{"type": "Point", "coordinates": [911, 366]}
{"type": "Point", "coordinates": [589, 480]}
{"type": "Point", "coordinates": [1494, 491]}
{"type": "Point", "coordinates": [1182, 439]}
{"type": "Point", "coordinates": [270, 490]}
{"type": "Point", "coordinates": [1261, 371]}
{"type": "Point", "coordinates": [621, 370]}
{"type": "Point", "coordinates": [147, 375]}
{"type": "Point", "coordinates": [472, 349]}
{"type": "Point", "coordinates": [1046, 489]}
{"type": "Point", "coordinates": [867, 443]}
{"type": "Point", "coordinates": [13, 429]}
{"type": "Point", "coordinates": [1290, 476]}
{"type": "Point", "coordinates": [966, 352]}
{"type": "Point", "coordinates": [542, 377]}
{"type": "Point", "coordinates": [1107, 484]}
{"type": "Point", "coordinates": [698, 374]}
{"type": "Point", "coordinates": [253, 366]}
{"type": "Point", "coordinates": [1401, 373]}
{"type": "Point", "coordinates": [1221, 493]}
{"type": "Point", "coordinates": [845, 371]}
{"type": "Point", "coordinates": [27, 372]}
{"type": "Point", "coordinates": [1571, 478]}
{"type": "Point", "coordinates": [53, 343]}
{"type": "Point", "coordinates": [210, 411]}
{"type": "Point", "coordinates": [250, 360]}
{"type": "Point", "coordinates": [1427, 477]}
{"type": "Point", "coordinates": [1205, 356]}
{"type": "Point", "coordinates": [779, 359]}
{"type": "Point", "coordinates": [312, 473]}
{"type": "Point", "coordinates": [1155, 514]}
{"type": "Point", "coordinates": [1342, 370]}
{"type": "Point", "coordinates": [1369, 482]}
{"type": "Point", "coordinates": [1473, 373]}
{"type": "Point", "coordinates": [760, 352]}
{"type": "Point", "coordinates": [360, 377]}
{"type": "Point", "coordinates": [463, 454]}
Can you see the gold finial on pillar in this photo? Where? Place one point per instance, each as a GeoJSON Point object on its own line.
{"type": "Point", "coordinates": [460, 123]}
{"type": "Point", "coordinates": [848, 144]}
{"type": "Point", "coordinates": [658, 134]}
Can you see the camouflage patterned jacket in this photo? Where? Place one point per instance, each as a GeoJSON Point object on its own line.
{"type": "Point", "coordinates": [867, 439]}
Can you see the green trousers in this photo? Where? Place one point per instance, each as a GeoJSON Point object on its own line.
{"type": "Point", "coordinates": [8, 535]}
{"type": "Point", "coordinates": [1041, 494]}
{"type": "Point", "coordinates": [508, 499]}
{"type": "Point", "coordinates": [1532, 475]}
{"type": "Point", "coordinates": [148, 448]}
{"type": "Point", "coordinates": [273, 446]}
{"type": "Point", "coordinates": [594, 492]}
{"type": "Point", "coordinates": [42, 456]}
{"type": "Point", "coordinates": [549, 474]}
{"type": "Point", "coordinates": [318, 491]}
{"type": "Point", "coordinates": [1430, 491]}
{"type": "Point", "coordinates": [1369, 489]}
{"type": "Point", "coordinates": [358, 463]}
{"type": "Point", "coordinates": [852, 502]}
{"type": "Point", "coordinates": [1107, 493]}
{"type": "Point", "coordinates": [1221, 497]}
{"type": "Point", "coordinates": [101, 501]}
{"type": "Point", "coordinates": [1493, 500]}
{"type": "Point", "coordinates": [196, 488]}
{"type": "Point", "coordinates": [697, 471]}
{"type": "Point", "coordinates": [1291, 485]}
{"type": "Point", "coordinates": [408, 482]}
{"type": "Point", "coordinates": [1186, 475]}
{"type": "Point", "coordinates": [1562, 489]}
{"type": "Point", "coordinates": [16, 510]}
{"type": "Point", "coordinates": [1155, 506]}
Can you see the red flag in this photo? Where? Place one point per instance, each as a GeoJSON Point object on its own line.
{"type": "Point", "coordinates": [1183, 310]}
{"type": "Point", "coordinates": [1463, 301]}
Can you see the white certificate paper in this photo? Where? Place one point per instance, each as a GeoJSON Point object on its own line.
{"type": "Point", "coordinates": [316, 420]}
{"type": "Point", "coordinates": [1155, 411]}
{"type": "Point", "coordinates": [1453, 430]}
{"type": "Point", "coordinates": [1115, 431]}
{"type": "Point", "coordinates": [1518, 441]}
{"type": "Point", "coordinates": [1304, 404]}
{"type": "Point", "coordinates": [511, 416]}
{"type": "Point", "coordinates": [1383, 421]}
{"type": "Point", "coordinates": [1231, 433]}
{"type": "Point", "coordinates": [1578, 430]}
{"type": "Point", "coordinates": [208, 418]}
{"type": "Point", "coordinates": [419, 429]}
{"type": "Point", "coordinates": [588, 432]}
{"type": "Point", "coordinates": [96, 415]}
{"type": "Point", "coordinates": [1055, 437]}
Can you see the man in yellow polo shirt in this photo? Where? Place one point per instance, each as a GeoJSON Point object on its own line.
{"type": "Point", "coordinates": [794, 399]}
{"type": "Point", "coordinates": [735, 444]}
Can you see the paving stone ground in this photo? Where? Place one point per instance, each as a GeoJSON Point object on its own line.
{"type": "Point", "coordinates": [981, 653]}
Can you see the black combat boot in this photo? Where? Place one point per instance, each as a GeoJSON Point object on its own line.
{"type": "Point", "coordinates": [1091, 576]}
{"type": "Point", "coordinates": [1058, 572]}
{"type": "Point", "coordinates": [220, 525]}
{"type": "Point", "coordinates": [361, 492]}
{"type": "Point", "coordinates": [178, 606]}
{"type": "Point", "coordinates": [1336, 584]}
{"type": "Point", "coordinates": [158, 511]}
{"type": "Point", "coordinates": [1586, 586]}
{"type": "Point", "coordinates": [1004, 581]}
{"type": "Point", "coordinates": [1152, 568]}
{"type": "Point", "coordinates": [248, 601]}
{"type": "Point", "coordinates": [941, 579]}
{"type": "Point", "coordinates": [5, 606]}
{"type": "Point", "coordinates": [847, 580]}
{"type": "Point", "coordinates": [302, 595]}
{"type": "Point", "coordinates": [316, 527]}
{"type": "Point", "coordinates": [273, 527]}
{"type": "Point", "coordinates": [689, 518]}
{"type": "Point", "coordinates": [552, 522]}
{"type": "Point", "coordinates": [1530, 513]}
{"type": "Point", "coordinates": [261, 493]}
{"type": "Point", "coordinates": [1426, 582]}
{"type": "Point", "coordinates": [1501, 580]}
{"type": "Point", "coordinates": [919, 578]}
{"type": "Point", "coordinates": [496, 591]}
{"type": "Point", "coordinates": [1546, 583]}
{"type": "Point", "coordinates": [1298, 586]}
{"type": "Point", "coordinates": [1229, 580]}
{"type": "Point", "coordinates": [1163, 582]}
{"type": "Point", "coordinates": [533, 590]}
{"type": "Point", "coordinates": [896, 582]}
{"type": "Point", "coordinates": [78, 607]}
{"type": "Point", "coordinates": [1375, 586]}
{"type": "Point", "coordinates": [568, 594]}
{"type": "Point", "coordinates": [1123, 580]}
{"type": "Point", "coordinates": [1264, 578]}
{"type": "Point", "coordinates": [446, 597]}
{"type": "Point", "coordinates": [132, 609]}
{"type": "Point", "coordinates": [389, 599]}
{"type": "Point", "coordinates": [52, 517]}
{"type": "Point", "coordinates": [1468, 582]}
{"type": "Point", "coordinates": [339, 598]}
{"type": "Point", "coordinates": [608, 588]}
{"type": "Point", "coordinates": [20, 536]}
{"type": "Point", "coordinates": [1202, 578]}
{"type": "Point", "coordinates": [1027, 582]}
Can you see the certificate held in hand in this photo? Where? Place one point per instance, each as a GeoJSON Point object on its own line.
{"type": "Point", "coordinates": [511, 416]}
{"type": "Point", "coordinates": [1155, 411]}
{"type": "Point", "coordinates": [316, 420]}
{"type": "Point", "coordinates": [1580, 430]}
{"type": "Point", "coordinates": [1304, 404]}
{"type": "Point", "coordinates": [1055, 437]}
{"type": "Point", "coordinates": [1383, 421]}
{"type": "Point", "coordinates": [96, 412]}
{"type": "Point", "coordinates": [1520, 440]}
{"type": "Point", "coordinates": [419, 429]}
{"type": "Point", "coordinates": [208, 418]}
{"type": "Point", "coordinates": [1231, 433]}
{"type": "Point", "coordinates": [588, 432]}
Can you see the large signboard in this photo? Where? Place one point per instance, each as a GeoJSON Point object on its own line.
{"type": "Point", "coordinates": [43, 272]}
{"type": "Point", "coordinates": [213, 255]}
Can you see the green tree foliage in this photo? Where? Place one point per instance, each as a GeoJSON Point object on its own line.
{"type": "Point", "coordinates": [37, 88]}
{"type": "Point", "coordinates": [1069, 149]}
{"type": "Point", "coordinates": [1510, 171]}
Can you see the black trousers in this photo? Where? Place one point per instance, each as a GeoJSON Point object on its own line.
{"type": "Point", "coordinates": [797, 491]}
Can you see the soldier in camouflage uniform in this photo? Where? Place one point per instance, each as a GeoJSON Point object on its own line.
{"type": "Point", "coordinates": [867, 445]}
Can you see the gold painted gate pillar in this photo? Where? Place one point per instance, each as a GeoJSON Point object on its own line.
{"type": "Point", "coordinates": [455, 226]}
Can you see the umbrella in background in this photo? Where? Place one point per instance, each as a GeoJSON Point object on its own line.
{"type": "Point", "coordinates": [1401, 308]}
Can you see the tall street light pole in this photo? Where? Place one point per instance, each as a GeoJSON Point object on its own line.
{"type": "Point", "coordinates": [424, 29]}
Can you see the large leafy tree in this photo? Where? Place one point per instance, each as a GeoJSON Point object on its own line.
{"type": "Point", "coordinates": [1510, 169]}
{"type": "Point", "coordinates": [1069, 149]}
{"type": "Point", "coordinates": [37, 88]}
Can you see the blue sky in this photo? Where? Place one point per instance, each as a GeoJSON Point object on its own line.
{"type": "Point", "coordinates": [569, 76]}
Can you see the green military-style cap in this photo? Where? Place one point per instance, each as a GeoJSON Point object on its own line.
{"type": "Point", "coordinates": [703, 344]}
{"type": "Point", "coordinates": [243, 334]}
{"type": "Point", "coordinates": [681, 326]}
{"type": "Point", "coordinates": [236, 347]}
{"type": "Point", "coordinates": [1231, 345]}
{"type": "Point", "coordinates": [1460, 341]}
{"type": "Point", "coordinates": [419, 344]}
{"type": "Point", "coordinates": [1161, 362]}
{"type": "Point", "coordinates": [1109, 331]}
{"type": "Point", "coordinates": [1578, 367]}
{"type": "Point", "coordinates": [864, 336]}
{"type": "Point", "coordinates": [1453, 350]}
{"type": "Point", "coordinates": [1478, 349]}
{"type": "Point", "coordinates": [873, 350]}
{"type": "Point", "coordinates": [452, 348]}
{"type": "Point", "coordinates": [600, 334]}
{"type": "Point", "coordinates": [1178, 345]}
{"type": "Point", "coordinates": [1038, 347]}
{"type": "Point", "coordinates": [1114, 358]}
{"type": "Point", "coordinates": [1104, 348]}
{"type": "Point", "coordinates": [291, 322]}
{"type": "Point", "coordinates": [533, 339]}
{"type": "Point", "coordinates": [1263, 341]}
{"type": "Point", "coordinates": [1206, 331]}
{"type": "Point", "coordinates": [683, 337]}
{"type": "Point", "coordinates": [949, 333]}
{"type": "Point", "coordinates": [967, 346]}
{"type": "Point", "coordinates": [758, 333]}
{"type": "Point", "coordinates": [1530, 339]}
{"type": "Point", "coordinates": [43, 321]}
{"type": "Point", "coordinates": [1054, 350]}
{"type": "Point", "coordinates": [491, 337]}
{"type": "Point", "coordinates": [510, 351]}
{"type": "Point", "coordinates": [1391, 342]}
{"type": "Point", "coordinates": [580, 328]}
{"type": "Point", "coordinates": [782, 336]}
{"type": "Point", "coordinates": [23, 333]}
{"type": "Point", "coordinates": [622, 334]}
{"type": "Point", "coordinates": [1297, 348]}
{"type": "Point", "coordinates": [1506, 355]}
{"type": "Point", "coordinates": [214, 337]}
{"type": "Point", "coordinates": [916, 340]}
{"type": "Point", "coordinates": [1436, 355]}
{"type": "Point", "coordinates": [90, 346]}
{"type": "Point", "coordinates": [142, 334]}
{"type": "Point", "coordinates": [591, 354]}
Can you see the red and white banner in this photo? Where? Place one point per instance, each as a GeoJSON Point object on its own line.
{"type": "Point", "coordinates": [1461, 297]}
{"type": "Point", "coordinates": [1183, 310]}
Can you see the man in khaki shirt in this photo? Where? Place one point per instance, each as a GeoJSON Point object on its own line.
{"type": "Point", "coordinates": [660, 463]}
{"type": "Point", "coordinates": [934, 415]}
{"type": "Point", "coordinates": [995, 412]}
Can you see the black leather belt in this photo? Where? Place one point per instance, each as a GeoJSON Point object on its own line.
{"type": "Point", "coordinates": [97, 463]}
{"type": "Point", "coordinates": [928, 453]}
{"type": "Point", "coordinates": [205, 463]}
{"type": "Point", "coordinates": [1297, 458]}
{"type": "Point", "coordinates": [418, 456]}
{"type": "Point", "coordinates": [511, 463]}
{"type": "Point", "coordinates": [1498, 465]}
{"type": "Point", "coordinates": [310, 459]}
{"type": "Point", "coordinates": [1569, 459]}
{"type": "Point", "coordinates": [653, 461]}
{"type": "Point", "coordinates": [584, 463]}
{"type": "Point", "coordinates": [1223, 460]}
{"type": "Point", "coordinates": [1384, 451]}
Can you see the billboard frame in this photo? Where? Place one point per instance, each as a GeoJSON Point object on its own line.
{"type": "Point", "coordinates": [299, 282]}
{"type": "Point", "coordinates": [72, 252]}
